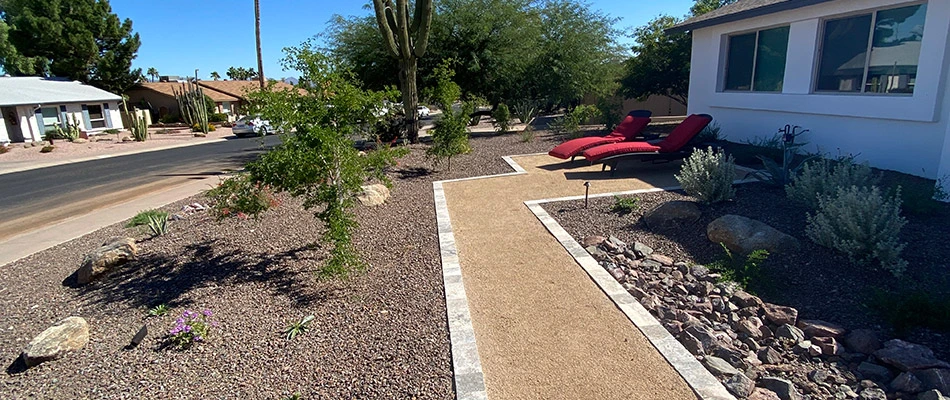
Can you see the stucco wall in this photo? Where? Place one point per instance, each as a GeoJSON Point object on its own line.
{"type": "Point", "coordinates": [906, 133]}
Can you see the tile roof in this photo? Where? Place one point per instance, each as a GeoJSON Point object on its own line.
{"type": "Point", "coordinates": [238, 88]}
{"type": "Point", "coordinates": [740, 10]}
{"type": "Point", "coordinates": [34, 90]}
{"type": "Point", "coordinates": [168, 88]}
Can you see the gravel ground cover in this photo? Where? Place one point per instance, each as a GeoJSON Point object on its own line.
{"type": "Point", "coordinates": [817, 281]}
{"type": "Point", "coordinates": [380, 334]}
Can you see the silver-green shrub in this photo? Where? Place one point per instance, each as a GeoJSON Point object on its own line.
{"type": "Point", "coordinates": [862, 223]}
{"type": "Point", "coordinates": [708, 176]}
{"type": "Point", "coordinates": [822, 178]}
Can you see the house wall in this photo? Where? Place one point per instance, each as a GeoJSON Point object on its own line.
{"type": "Point", "coordinates": [907, 133]}
{"type": "Point", "coordinates": [4, 136]}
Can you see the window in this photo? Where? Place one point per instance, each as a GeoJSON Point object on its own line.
{"type": "Point", "coordinates": [756, 61]}
{"type": "Point", "coordinates": [50, 118]}
{"type": "Point", "coordinates": [891, 37]}
{"type": "Point", "coordinates": [97, 118]}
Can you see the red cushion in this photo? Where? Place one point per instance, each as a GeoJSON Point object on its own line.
{"type": "Point", "coordinates": [684, 132]}
{"type": "Point", "coordinates": [574, 147]}
{"type": "Point", "coordinates": [607, 150]}
{"type": "Point", "coordinates": [630, 127]}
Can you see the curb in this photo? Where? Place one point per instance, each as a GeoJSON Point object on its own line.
{"type": "Point", "coordinates": [100, 157]}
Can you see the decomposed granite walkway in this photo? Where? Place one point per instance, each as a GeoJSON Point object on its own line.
{"type": "Point", "coordinates": [543, 328]}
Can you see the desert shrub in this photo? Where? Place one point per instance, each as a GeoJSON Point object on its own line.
{"type": "Point", "coordinates": [197, 128]}
{"type": "Point", "coordinates": [143, 217]}
{"type": "Point", "coordinates": [610, 109]}
{"type": "Point", "coordinates": [389, 127]}
{"type": "Point", "coordinates": [921, 196]}
{"type": "Point", "coordinates": [158, 225]}
{"type": "Point", "coordinates": [217, 117]}
{"type": "Point", "coordinates": [710, 134]}
{"type": "Point", "coordinates": [240, 196]}
{"type": "Point", "coordinates": [708, 175]}
{"type": "Point", "coordinates": [111, 131]}
{"type": "Point", "coordinates": [502, 117]}
{"type": "Point", "coordinates": [169, 119]}
{"type": "Point", "coordinates": [450, 135]}
{"type": "Point", "coordinates": [911, 307]}
{"type": "Point", "coordinates": [822, 178]}
{"type": "Point", "coordinates": [158, 311]}
{"type": "Point", "coordinates": [525, 110]}
{"type": "Point", "coordinates": [767, 146]}
{"type": "Point", "coordinates": [863, 224]}
{"type": "Point", "coordinates": [527, 134]}
{"type": "Point", "coordinates": [47, 149]}
{"type": "Point", "coordinates": [570, 123]}
{"type": "Point", "coordinates": [624, 205]}
{"type": "Point", "coordinates": [191, 328]}
{"type": "Point", "coordinates": [746, 271]}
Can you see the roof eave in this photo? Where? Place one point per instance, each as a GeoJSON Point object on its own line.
{"type": "Point", "coordinates": [741, 15]}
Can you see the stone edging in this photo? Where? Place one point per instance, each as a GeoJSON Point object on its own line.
{"type": "Point", "coordinates": [703, 383]}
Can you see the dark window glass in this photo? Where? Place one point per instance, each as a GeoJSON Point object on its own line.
{"type": "Point", "coordinates": [770, 60]}
{"type": "Point", "coordinates": [739, 62]}
{"type": "Point", "coordinates": [844, 54]}
{"type": "Point", "coordinates": [895, 50]}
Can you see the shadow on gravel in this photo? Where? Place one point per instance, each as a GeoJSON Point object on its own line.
{"type": "Point", "coordinates": [18, 366]}
{"type": "Point", "coordinates": [414, 172]}
{"type": "Point", "coordinates": [156, 279]}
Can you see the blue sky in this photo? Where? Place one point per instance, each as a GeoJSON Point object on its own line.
{"type": "Point", "coordinates": [179, 36]}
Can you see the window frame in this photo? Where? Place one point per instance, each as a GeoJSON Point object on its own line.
{"type": "Point", "coordinates": [102, 111]}
{"type": "Point", "coordinates": [59, 122]}
{"type": "Point", "coordinates": [755, 59]}
{"type": "Point", "coordinates": [819, 50]}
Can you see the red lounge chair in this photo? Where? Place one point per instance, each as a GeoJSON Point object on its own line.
{"type": "Point", "coordinates": [630, 128]}
{"type": "Point", "coordinates": [673, 147]}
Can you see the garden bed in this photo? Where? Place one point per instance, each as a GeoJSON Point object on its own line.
{"type": "Point", "coordinates": [379, 334]}
{"type": "Point", "coordinates": [819, 282]}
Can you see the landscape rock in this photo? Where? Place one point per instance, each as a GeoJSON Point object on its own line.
{"type": "Point", "coordinates": [740, 385]}
{"type": "Point", "coordinates": [874, 372]}
{"type": "Point", "coordinates": [672, 214]}
{"type": "Point", "coordinates": [763, 394]}
{"type": "Point", "coordinates": [789, 332]}
{"type": "Point", "coordinates": [744, 299]}
{"type": "Point", "coordinates": [784, 388]}
{"type": "Point", "coordinates": [745, 235]}
{"type": "Point", "coordinates": [780, 314]}
{"type": "Point", "coordinates": [751, 326]}
{"type": "Point", "coordinates": [594, 240]}
{"type": "Point", "coordinates": [112, 253]}
{"type": "Point", "coordinates": [699, 271]}
{"type": "Point", "coordinates": [863, 341]}
{"type": "Point", "coordinates": [80, 141]}
{"type": "Point", "coordinates": [936, 378]}
{"type": "Point", "coordinates": [641, 250]}
{"type": "Point", "coordinates": [663, 260]}
{"type": "Point", "coordinates": [693, 345]}
{"type": "Point", "coordinates": [908, 356]}
{"type": "Point", "coordinates": [829, 345]}
{"type": "Point", "coordinates": [373, 195]}
{"type": "Point", "coordinates": [815, 327]}
{"type": "Point", "coordinates": [931, 395]}
{"type": "Point", "coordinates": [200, 134]}
{"type": "Point", "coordinates": [906, 382]}
{"type": "Point", "coordinates": [769, 355]}
{"type": "Point", "coordinates": [596, 252]}
{"type": "Point", "coordinates": [719, 367]}
{"type": "Point", "coordinates": [68, 335]}
{"type": "Point", "coordinates": [873, 394]}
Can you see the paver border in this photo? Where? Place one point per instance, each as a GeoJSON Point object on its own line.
{"type": "Point", "coordinates": [468, 376]}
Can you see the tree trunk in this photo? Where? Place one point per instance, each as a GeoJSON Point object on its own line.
{"type": "Point", "coordinates": [257, 33]}
{"type": "Point", "coordinates": [410, 97]}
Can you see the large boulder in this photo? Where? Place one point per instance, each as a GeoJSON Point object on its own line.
{"type": "Point", "coordinates": [112, 253]}
{"type": "Point", "coordinates": [373, 195]}
{"type": "Point", "coordinates": [672, 214]}
{"type": "Point", "coordinates": [780, 315]}
{"type": "Point", "coordinates": [934, 378]}
{"type": "Point", "coordinates": [69, 335]}
{"type": "Point", "coordinates": [907, 356]}
{"type": "Point", "coordinates": [815, 327]}
{"type": "Point", "coordinates": [745, 235]}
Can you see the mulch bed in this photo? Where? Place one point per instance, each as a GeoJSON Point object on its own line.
{"type": "Point", "coordinates": [379, 334]}
{"type": "Point", "coordinates": [819, 282]}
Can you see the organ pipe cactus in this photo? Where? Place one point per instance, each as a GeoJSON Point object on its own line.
{"type": "Point", "coordinates": [406, 38]}
{"type": "Point", "coordinates": [191, 102]}
{"type": "Point", "coordinates": [137, 124]}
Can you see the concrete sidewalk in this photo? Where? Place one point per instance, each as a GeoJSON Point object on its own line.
{"type": "Point", "coordinates": [34, 241]}
{"type": "Point", "coordinates": [543, 328]}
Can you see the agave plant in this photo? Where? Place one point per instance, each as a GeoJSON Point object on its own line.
{"type": "Point", "coordinates": [299, 327]}
{"type": "Point", "coordinates": [782, 174]}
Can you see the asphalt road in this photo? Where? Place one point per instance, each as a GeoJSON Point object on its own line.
{"type": "Point", "coordinates": [36, 198]}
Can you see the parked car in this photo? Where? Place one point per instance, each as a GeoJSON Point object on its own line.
{"type": "Point", "coordinates": [423, 111]}
{"type": "Point", "coordinates": [251, 125]}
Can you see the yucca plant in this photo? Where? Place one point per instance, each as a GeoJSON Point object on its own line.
{"type": "Point", "coordinates": [158, 224]}
{"type": "Point", "coordinates": [159, 310]}
{"type": "Point", "coordinates": [299, 327]}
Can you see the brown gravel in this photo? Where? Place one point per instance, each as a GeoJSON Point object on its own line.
{"type": "Point", "coordinates": [819, 282]}
{"type": "Point", "coordinates": [380, 334]}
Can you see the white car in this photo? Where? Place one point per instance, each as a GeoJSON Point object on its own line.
{"type": "Point", "coordinates": [252, 125]}
{"type": "Point", "coordinates": [423, 111]}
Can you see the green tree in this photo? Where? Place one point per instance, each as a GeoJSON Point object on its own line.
{"type": "Point", "coordinates": [241, 73]}
{"type": "Point", "coordinates": [319, 162]}
{"type": "Point", "coordinates": [701, 7]}
{"type": "Point", "coordinates": [215, 75]}
{"type": "Point", "coordinates": [77, 39]}
{"type": "Point", "coordinates": [661, 63]}
{"type": "Point", "coordinates": [153, 73]}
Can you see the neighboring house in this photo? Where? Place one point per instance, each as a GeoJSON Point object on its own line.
{"type": "Point", "coordinates": [30, 106]}
{"type": "Point", "coordinates": [865, 77]}
{"type": "Point", "coordinates": [159, 97]}
{"type": "Point", "coordinates": [239, 89]}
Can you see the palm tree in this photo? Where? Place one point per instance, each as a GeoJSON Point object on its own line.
{"type": "Point", "coordinates": [215, 75]}
{"type": "Point", "coordinates": [152, 72]}
{"type": "Point", "coordinates": [257, 33]}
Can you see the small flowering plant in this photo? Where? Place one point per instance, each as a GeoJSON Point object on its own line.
{"type": "Point", "coordinates": [191, 328]}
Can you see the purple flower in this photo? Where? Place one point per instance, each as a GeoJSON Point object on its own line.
{"type": "Point", "coordinates": [187, 328]}
{"type": "Point", "coordinates": [179, 321]}
{"type": "Point", "coordinates": [206, 313]}
{"type": "Point", "coordinates": [190, 314]}
{"type": "Point", "coordinates": [174, 331]}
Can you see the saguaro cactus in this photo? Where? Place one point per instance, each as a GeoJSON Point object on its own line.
{"type": "Point", "coordinates": [406, 41]}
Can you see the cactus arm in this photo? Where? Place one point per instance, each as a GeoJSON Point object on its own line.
{"type": "Point", "coordinates": [389, 39]}
{"type": "Point", "coordinates": [422, 22]}
{"type": "Point", "coordinates": [402, 20]}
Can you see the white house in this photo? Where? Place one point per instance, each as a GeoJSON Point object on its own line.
{"type": "Point", "coordinates": [31, 105]}
{"type": "Point", "coordinates": [867, 77]}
